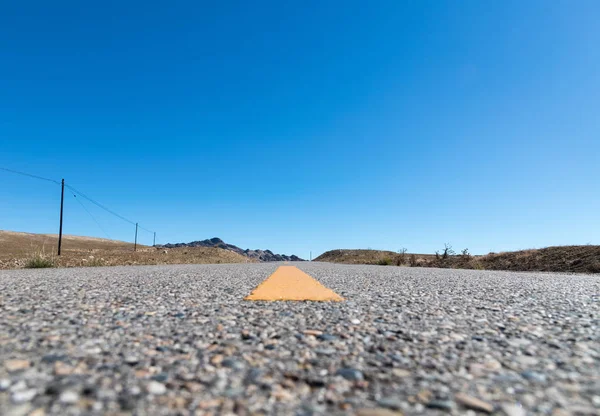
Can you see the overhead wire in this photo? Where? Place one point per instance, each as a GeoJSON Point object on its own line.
{"type": "Point", "coordinates": [81, 194]}
{"type": "Point", "coordinates": [91, 215]}
{"type": "Point", "coordinates": [30, 175]}
{"type": "Point", "coordinates": [104, 208]}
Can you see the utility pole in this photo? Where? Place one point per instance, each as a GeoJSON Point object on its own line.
{"type": "Point", "coordinates": [135, 244]}
{"type": "Point", "coordinates": [154, 242]}
{"type": "Point", "coordinates": [62, 203]}
{"type": "Point", "coordinates": [311, 256]}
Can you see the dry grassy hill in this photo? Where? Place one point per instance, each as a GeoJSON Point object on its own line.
{"type": "Point", "coordinates": [574, 259]}
{"type": "Point", "coordinates": [360, 256]}
{"type": "Point", "coordinates": [18, 250]}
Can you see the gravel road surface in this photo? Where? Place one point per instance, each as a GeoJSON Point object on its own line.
{"type": "Point", "coordinates": [170, 340]}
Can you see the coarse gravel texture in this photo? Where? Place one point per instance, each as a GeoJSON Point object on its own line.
{"type": "Point", "coordinates": [170, 340]}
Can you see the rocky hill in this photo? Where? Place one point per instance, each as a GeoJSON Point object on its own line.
{"type": "Point", "coordinates": [260, 255]}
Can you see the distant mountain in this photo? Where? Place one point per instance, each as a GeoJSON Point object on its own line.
{"type": "Point", "coordinates": [261, 255]}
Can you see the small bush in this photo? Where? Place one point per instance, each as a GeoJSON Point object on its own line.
{"type": "Point", "coordinates": [594, 267]}
{"type": "Point", "coordinates": [385, 262]}
{"type": "Point", "coordinates": [95, 263]}
{"type": "Point", "coordinates": [401, 259]}
{"type": "Point", "coordinates": [39, 262]}
{"type": "Point", "coordinates": [478, 266]}
{"type": "Point", "coordinates": [413, 260]}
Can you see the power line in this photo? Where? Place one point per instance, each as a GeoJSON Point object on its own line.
{"type": "Point", "coordinates": [145, 229]}
{"type": "Point", "coordinates": [103, 207]}
{"type": "Point", "coordinates": [94, 218]}
{"type": "Point", "coordinates": [99, 205]}
{"type": "Point", "coordinates": [30, 175]}
{"type": "Point", "coordinates": [81, 195]}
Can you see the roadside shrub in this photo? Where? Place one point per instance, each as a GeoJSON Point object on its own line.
{"type": "Point", "coordinates": [94, 262]}
{"type": "Point", "coordinates": [39, 262]}
{"type": "Point", "coordinates": [385, 262]}
{"type": "Point", "coordinates": [413, 260]}
{"type": "Point", "coordinates": [401, 259]}
{"type": "Point", "coordinates": [594, 267]}
{"type": "Point", "coordinates": [478, 266]}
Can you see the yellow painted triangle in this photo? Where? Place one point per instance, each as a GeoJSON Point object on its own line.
{"type": "Point", "coordinates": [291, 283]}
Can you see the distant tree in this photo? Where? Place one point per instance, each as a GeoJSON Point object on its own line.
{"type": "Point", "coordinates": [401, 257]}
{"type": "Point", "coordinates": [447, 251]}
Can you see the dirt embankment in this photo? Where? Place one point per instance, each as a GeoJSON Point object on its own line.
{"type": "Point", "coordinates": [574, 259]}
{"type": "Point", "coordinates": [19, 250]}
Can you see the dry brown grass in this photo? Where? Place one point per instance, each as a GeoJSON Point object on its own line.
{"type": "Point", "coordinates": [19, 250]}
{"type": "Point", "coordinates": [573, 259]}
{"type": "Point", "coordinates": [379, 257]}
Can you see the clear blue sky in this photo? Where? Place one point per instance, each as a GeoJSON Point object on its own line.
{"type": "Point", "coordinates": [306, 125]}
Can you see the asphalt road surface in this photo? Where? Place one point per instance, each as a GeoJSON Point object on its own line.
{"type": "Point", "coordinates": [181, 340]}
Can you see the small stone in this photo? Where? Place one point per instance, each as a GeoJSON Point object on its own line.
{"type": "Point", "coordinates": [440, 404]}
{"type": "Point", "coordinates": [534, 376]}
{"type": "Point", "coordinates": [52, 358]}
{"type": "Point", "coordinates": [424, 396]}
{"type": "Point", "coordinates": [474, 403]}
{"type": "Point", "coordinates": [18, 386]}
{"type": "Point", "coordinates": [355, 321]}
{"type": "Point", "coordinates": [390, 403]}
{"type": "Point", "coordinates": [493, 365]}
{"type": "Point", "coordinates": [23, 396]}
{"type": "Point", "coordinates": [233, 364]}
{"type": "Point", "coordinates": [160, 377]}
{"type": "Point", "coordinates": [326, 337]}
{"type": "Point", "coordinates": [513, 409]}
{"type": "Point", "coordinates": [325, 351]}
{"type": "Point", "coordinates": [314, 332]}
{"type": "Point", "coordinates": [16, 365]}
{"type": "Point", "coordinates": [4, 384]}
{"type": "Point", "coordinates": [216, 359]}
{"type": "Point", "coordinates": [38, 412]}
{"type": "Point", "coordinates": [69, 397]}
{"type": "Point", "coordinates": [526, 360]}
{"type": "Point", "coordinates": [234, 392]}
{"type": "Point", "coordinates": [193, 387]}
{"type": "Point", "coordinates": [132, 360]}
{"type": "Point", "coordinates": [350, 374]}
{"type": "Point", "coordinates": [156, 388]}
{"type": "Point", "coordinates": [400, 372]}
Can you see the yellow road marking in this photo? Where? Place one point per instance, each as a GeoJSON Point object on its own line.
{"type": "Point", "coordinates": [291, 283]}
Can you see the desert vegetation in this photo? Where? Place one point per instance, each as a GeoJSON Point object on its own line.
{"type": "Point", "coordinates": [574, 259]}
{"type": "Point", "coordinates": [24, 250]}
